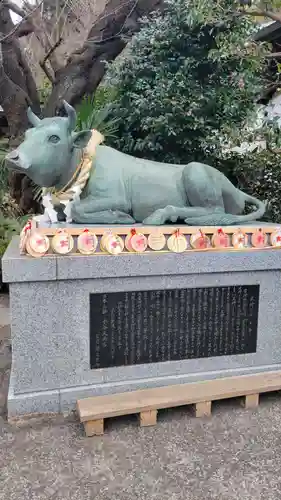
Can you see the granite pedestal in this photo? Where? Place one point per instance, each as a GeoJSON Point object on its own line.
{"type": "Point", "coordinates": [50, 316]}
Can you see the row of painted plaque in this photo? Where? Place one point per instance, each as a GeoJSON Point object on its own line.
{"type": "Point", "coordinates": [37, 244]}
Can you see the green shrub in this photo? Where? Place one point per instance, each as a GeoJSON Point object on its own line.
{"type": "Point", "coordinates": [189, 81]}
{"type": "Point", "coordinates": [258, 174]}
{"type": "Point", "coordinates": [11, 220]}
{"type": "Point", "coordinates": [8, 228]}
{"type": "Point", "coordinates": [44, 92]}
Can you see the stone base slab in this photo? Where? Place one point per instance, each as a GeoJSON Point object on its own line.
{"type": "Point", "coordinates": [64, 400]}
{"type": "Point", "coordinates": [50, 321]}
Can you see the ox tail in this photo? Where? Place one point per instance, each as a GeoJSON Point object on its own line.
{"type": "Point", "coordinates": [218, 218]}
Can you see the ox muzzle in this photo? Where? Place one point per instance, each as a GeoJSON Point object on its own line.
{"type": "Point", "coordinates": [17, 162]}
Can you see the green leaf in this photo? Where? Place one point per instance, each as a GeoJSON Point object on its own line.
{"type": "Point", "coordinates": [96, 112]}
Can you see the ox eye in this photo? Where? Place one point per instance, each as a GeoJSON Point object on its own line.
{"type": "Point", "coordinates": [54, 139]}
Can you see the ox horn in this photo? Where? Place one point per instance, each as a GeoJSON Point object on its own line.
{"type": "Point", "coordinates": [71, 113]}
{"type": "Point", "coordinates": [33, 119]}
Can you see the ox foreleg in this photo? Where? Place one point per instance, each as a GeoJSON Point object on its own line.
{"type": "Point", "coordinates": [104, 217]}
{"type": "Point", "coordinates": [93, 211]}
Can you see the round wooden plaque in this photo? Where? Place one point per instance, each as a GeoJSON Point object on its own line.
{"type": "Point", "coordinates": [87, 243]}
{"type": "Point", "coordinates": [220, 239]}
{"type": "Point", "coordinates": [103, 241]}
{"type": "Point", "coordinates": [199, 241]}
{"type": "Point", "coordinates": [139, 242]}
{"type": "Point", "coordinates": [37, 244]}
{"type": "Point", "coordinates": [258, 239]}
{"type": "Point", "coordinates": [275, 238]}
{"type": "Point", "coordinates": [239, 240]}
{"type": "Point", "coordinates": [177, 243]}
{"type": "Point", "coordinates": [62, 243]}
{"type": "Point", "coordinates": [156, 241]}
{"type": "Point", "coordinates": [114, 244]}
{"type": "Point", "coordinates": [128, 240]}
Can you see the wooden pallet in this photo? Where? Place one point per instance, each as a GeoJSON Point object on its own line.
{"type": "Point", "coordinates": [92, 411]}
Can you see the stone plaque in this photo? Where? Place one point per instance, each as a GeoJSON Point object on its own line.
{"type": "Point", "coordinates": [128, 328]}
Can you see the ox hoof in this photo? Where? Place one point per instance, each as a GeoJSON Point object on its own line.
{"type": "Point", "coordinates": [174, 218]}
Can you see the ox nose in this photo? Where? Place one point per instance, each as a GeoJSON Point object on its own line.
{"type": "Point", "coordinates": [16, 161]}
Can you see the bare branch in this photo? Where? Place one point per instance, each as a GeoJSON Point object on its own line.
{"type": "Point", "coordinates": [273, 55]}
{"type": "Point", "coordinates": [262, 13]}
{"type": "Point", "coordinates": [271, 15]}
{"type": "Point", "coordinates": [86, 67]}
{"type": "Point", "coordinates": [26, 17]}
{"type": "Point", "coordinates": [15, 8]}
{"type": "Point", "coordinates": [46, 57]}
{"type": "Point", "coordinates": [107, 15]}
{"type": "Point", "coordinates": [274, 151]}
{"type": "Point", "coordinates": [25, 28]}
{"type": "Point", "coordinates": [47, 72]}
{"type": "Point", "coordinates": [1, 56]}
{"type": "Point", "coordinates": [13, 32]}
{"type": "Point", "coordinates": [120, 32]}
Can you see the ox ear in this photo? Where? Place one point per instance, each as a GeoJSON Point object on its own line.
{"type": "Point", "coordinates": [81, 139]}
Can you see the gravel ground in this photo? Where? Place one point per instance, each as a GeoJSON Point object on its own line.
{"type": "Point", "coordinates": [236, 454]}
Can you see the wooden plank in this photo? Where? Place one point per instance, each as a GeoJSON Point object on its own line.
{"type": "Point", "coordinates": [177, 395]}
{"type": "Point", "coordinates": [156, 252]}
{"type": "Point", "coordinates": [203, 409]}
{"type": "Point", "coordinates": [123, 230]}
{"type": "Point", "coordinates": [148, 418]}
{"type": "Point", "coordinates": [94, 427]}
{"type": "Point", "coordinates": [251, 401]}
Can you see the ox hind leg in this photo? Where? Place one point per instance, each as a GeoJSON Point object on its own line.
{"type": "Point", "coordinates": [202, 190]}
{"type": "Point", "coordinates": [204, 196]}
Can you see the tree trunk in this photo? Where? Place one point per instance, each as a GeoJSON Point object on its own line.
{"type": "Point", "coordinates": [85, 68]}
{"type": "Point", "coordinates": [17, 92]}
{"type": "Point", "coordinates": [17, 86]}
